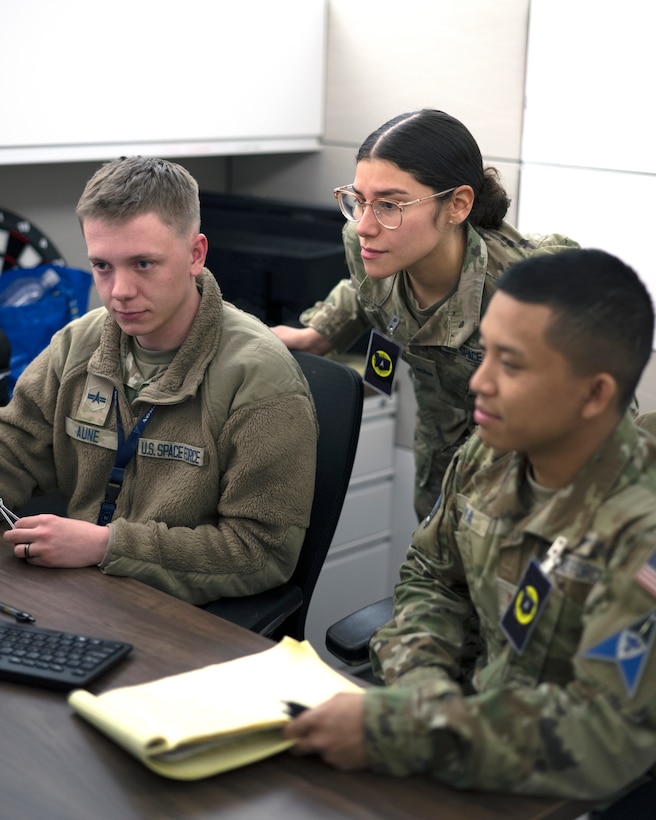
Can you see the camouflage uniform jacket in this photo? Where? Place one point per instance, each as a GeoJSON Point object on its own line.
{"type": "Point", "coordinates": [443, 351]}
{"type": "Point", "coordinates": [553, 719]}
{"type": "Point", "coordinates": [217, 496]}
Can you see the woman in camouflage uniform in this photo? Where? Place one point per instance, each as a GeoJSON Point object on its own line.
{"type": "Point", "coordinates": [423, 263]}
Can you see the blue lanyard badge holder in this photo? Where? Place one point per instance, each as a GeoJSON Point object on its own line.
{"type": "Point", "coordinates": [124, 454]}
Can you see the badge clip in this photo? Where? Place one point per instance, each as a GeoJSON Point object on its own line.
{"type": "Point", "coordinates": [393, 323]}
{"type": "Point", "coordinates": [554, 555]}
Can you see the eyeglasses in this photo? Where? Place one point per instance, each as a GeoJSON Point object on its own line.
{"type": "Point", "coordinates": [388, 212]}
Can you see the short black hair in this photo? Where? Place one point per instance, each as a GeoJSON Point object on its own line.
{"type": "Point", "coordinates": [603, 314]}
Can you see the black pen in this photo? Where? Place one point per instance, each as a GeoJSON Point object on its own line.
{"type": "Point", "coordinates": [294, 709]}
{"type": "Point", "coordinates": [23, 617]}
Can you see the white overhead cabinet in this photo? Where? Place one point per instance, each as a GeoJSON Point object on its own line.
{"type": "Point", "coordinates": [95, 80]}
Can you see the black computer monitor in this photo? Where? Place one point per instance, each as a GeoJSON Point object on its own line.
{"type": "Point", "coordinates": [270, 257]}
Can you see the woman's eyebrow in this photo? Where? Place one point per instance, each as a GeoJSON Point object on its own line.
{"type": "Point", "coordinates": [384, 192]}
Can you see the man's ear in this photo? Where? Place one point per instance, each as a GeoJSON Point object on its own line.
{"type": "Point", "coordinates": [461, 203]}
{"type": "Point", "coordinates": [199, 247]}
{"type": "Point", "coordinates": [602, 395]}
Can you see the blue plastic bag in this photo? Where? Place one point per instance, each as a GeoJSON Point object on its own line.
{"type": "Point", "coordinates": [29, 328]}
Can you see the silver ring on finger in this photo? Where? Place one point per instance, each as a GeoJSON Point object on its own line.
{"type": "Point", "coordinates": [26, 551]}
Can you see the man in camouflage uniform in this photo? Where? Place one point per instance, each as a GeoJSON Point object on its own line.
{"type": "Point", "coordinates": [546, 529]}
{"type": "Point", "coordinates": [440, 344]}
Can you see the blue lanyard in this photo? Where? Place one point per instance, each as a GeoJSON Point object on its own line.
{"type": "Point", "coordinates": [124, 453]}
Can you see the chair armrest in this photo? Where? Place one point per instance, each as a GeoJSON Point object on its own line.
{"type": "Point", "coordinates": [348, 639]}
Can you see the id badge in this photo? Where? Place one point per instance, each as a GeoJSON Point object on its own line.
{"type": "Point", "coordinates": [380, 369]}
{"type": "Point", "coordinates": [526, 606]}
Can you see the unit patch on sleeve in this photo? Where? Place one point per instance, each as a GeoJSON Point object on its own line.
{"type": "Point", "coordinates": [629, 649]}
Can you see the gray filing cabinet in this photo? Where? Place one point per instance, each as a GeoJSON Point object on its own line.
{"type": "Point", "coordinates": [357, 567]}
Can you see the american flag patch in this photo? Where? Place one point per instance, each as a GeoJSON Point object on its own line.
{"type": "Point", "coordinates": [646, 576]}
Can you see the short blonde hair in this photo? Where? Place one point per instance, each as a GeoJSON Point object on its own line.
{"type": "Point", "coordinates": [131, 186]}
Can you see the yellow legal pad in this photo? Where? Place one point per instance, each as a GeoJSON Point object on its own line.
{"type": "Point", "coordinates": [217, 718]}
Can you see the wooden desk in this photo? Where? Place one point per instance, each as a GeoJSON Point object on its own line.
{"type": "Point", "coordinates": [54, 765]}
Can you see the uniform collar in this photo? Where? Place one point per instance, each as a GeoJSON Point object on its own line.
{"type": "Point", "coordinates": [185, 373]}
{"type": "Point", "coordinates": [457, 318]}
{"type": "Point", "coordinates": [571, 510]}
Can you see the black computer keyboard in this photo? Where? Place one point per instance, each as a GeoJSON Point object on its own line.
{"type": "Point", "coordinates": [57, 660]}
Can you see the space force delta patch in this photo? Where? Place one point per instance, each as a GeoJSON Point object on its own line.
{"type": "Point", "coordinates": [380, 367]}
{"type": "Point", "coordinates": [526, 607]}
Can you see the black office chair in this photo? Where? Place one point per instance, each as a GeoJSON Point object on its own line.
{"type": "Point", "coordinates": [338, 394]}
{"type": "Point", "coordinates": [348, 639]}
{"type": "Point", "coordinates": [5, 360]}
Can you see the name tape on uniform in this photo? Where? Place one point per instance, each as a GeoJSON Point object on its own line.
{"type": "Point", "coordinates": [148, 448]}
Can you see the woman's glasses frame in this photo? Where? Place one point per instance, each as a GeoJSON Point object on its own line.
{"type": "Point", "coordinates": [348, 201]}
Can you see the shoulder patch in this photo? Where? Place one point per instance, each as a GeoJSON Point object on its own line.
{"type": "Point", "coordinates": [629, 649]}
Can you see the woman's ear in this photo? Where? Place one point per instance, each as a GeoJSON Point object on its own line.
{"type": "Point", "coordinates": [460, 204]}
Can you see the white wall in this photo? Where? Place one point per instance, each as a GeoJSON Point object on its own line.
{"type": "Point", "coordinates": [384, 59]}
{"type": "Point", "coordinates": [589, 167]}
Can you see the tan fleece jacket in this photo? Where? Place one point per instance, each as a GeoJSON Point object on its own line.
{"type": "Point", "coordinates": [218, 496]}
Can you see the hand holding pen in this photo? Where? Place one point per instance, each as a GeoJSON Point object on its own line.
{"type": "Point", "coordinates": [6, 609]}
{"type": "Point", "coordinates": [8, 515]}
{"type": "Point", "coordinates": [293, 708]}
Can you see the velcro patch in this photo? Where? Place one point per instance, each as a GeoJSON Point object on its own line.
{"type": "Point", "coordinates": [646, 575]}
{"type": "Point", "coordinates": [629, 649]}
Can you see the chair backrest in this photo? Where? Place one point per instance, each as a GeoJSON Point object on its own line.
{"type": "Point", "coordinates": [5, 360]}
{"type": "Point", "coordinates": [338, 393]}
